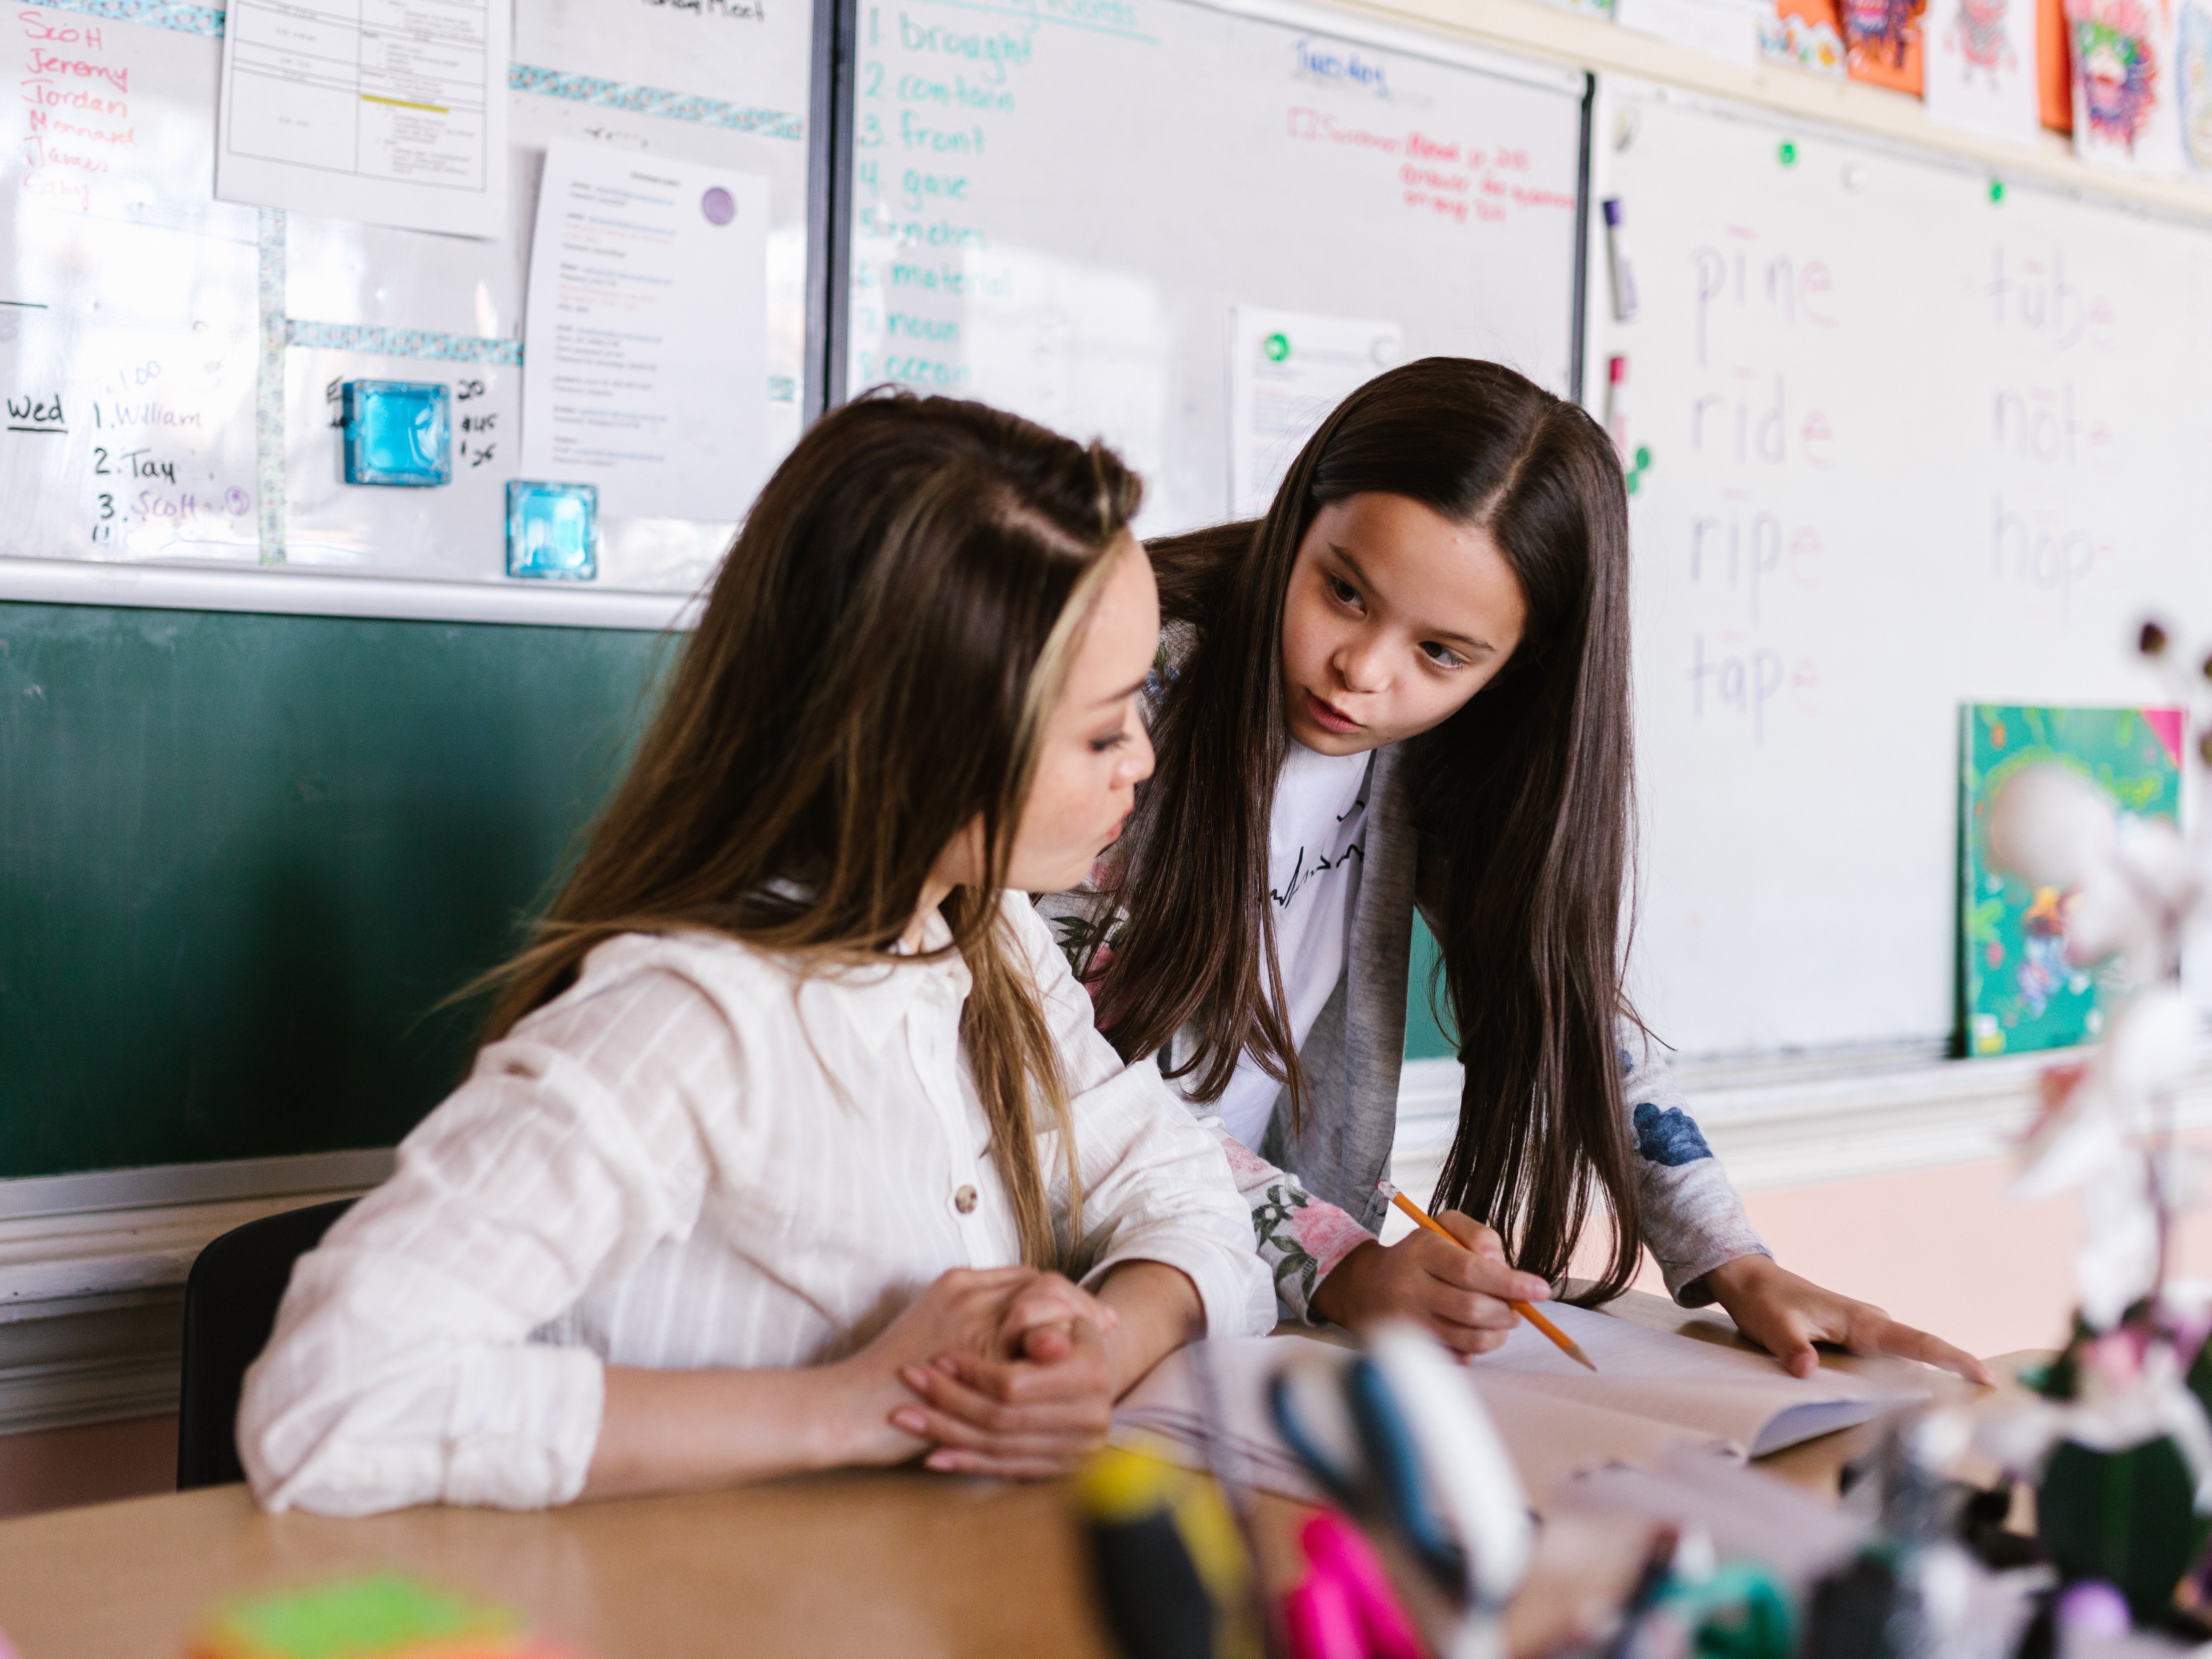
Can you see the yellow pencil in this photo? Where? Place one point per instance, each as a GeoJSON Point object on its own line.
{"type": "Point", "coordinates": [1566, 1343]}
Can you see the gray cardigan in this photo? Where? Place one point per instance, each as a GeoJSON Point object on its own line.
{"type": "Point", "coordinates": [1307, 1221]}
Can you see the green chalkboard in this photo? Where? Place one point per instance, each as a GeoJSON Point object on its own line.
{"type": "Point", "coordinates": [243, 860]}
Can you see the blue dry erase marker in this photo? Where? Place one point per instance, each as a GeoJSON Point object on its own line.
{"type": "Point", "coordinates": [1624, 279]}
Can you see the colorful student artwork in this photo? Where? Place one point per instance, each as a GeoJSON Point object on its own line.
{"type": "Point", "coordinates": [1981, 68]}
{"type": "Point", "coordinates": [2123, 93]}
{"type": "Point", "coordinates": [2019, 990]}
{"type": "Point", "coordinates": [1806, 34]}
{"type": "Point", "coordinates": [1883, 38]}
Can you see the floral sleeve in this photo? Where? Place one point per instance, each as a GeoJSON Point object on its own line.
{"type": "Point", "coordinates": [1301, 1238]}
{"type": "Point", "coordinates": [1693, 1220]}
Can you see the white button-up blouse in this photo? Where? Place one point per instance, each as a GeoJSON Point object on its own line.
{"type": "Point", "coordinates": [695, 1157]}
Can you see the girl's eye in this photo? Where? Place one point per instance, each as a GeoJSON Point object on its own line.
{"type": "Point", "coordinates": [1106, 745]}
{"type": "Point", "coordinates": [1343, 591]}
{"type": "Point", "coordinates": [1443, 656]}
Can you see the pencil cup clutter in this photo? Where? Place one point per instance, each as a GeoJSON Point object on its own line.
{"type": "Point", "coordinates": [1432, 1540]}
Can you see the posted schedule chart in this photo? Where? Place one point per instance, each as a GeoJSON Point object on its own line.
{"type": "Point", "coordinates": [386, 109]}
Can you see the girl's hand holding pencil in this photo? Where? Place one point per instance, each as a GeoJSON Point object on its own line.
{"type": "Point", "coordinates": [1454, 1279]}
{"type": "Point", "coordinates": [1552, 1333]}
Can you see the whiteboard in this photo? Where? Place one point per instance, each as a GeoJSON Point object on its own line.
{"type": "Point", "coordinates": [1909, 446]}
{"type": "Point", "coordinates": [128, 267]}
{"type": "Point", "coordinates": [128, 321]}
{"type": "Point", "coordinates": [1062, 208]}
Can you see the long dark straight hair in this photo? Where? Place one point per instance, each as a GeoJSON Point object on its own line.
{"type": "Point", "coordinates": [871, 676]}
{"type": "Point", "coordinates": [1522, 800]}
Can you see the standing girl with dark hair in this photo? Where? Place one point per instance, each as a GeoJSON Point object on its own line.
{"type": "Point", "coordinates": [791, 1117]}
{"type": "Point", "coordinates": [1408, 686]}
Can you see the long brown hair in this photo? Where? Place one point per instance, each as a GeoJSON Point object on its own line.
{"type": "Point", "coordinates": [1522, 799]}
{"type": "Point", "coordinates": [875, 662]}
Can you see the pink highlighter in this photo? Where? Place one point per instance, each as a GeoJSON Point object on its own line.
{"type": "Point", "coordinates": [1344, 1608]}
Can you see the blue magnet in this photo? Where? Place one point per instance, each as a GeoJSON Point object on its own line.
{"type": "Point", "coordinates": [396, 433]}
{"type": "Point", "coordinates": [552, 531]}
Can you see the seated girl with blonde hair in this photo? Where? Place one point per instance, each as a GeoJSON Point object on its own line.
{"type": "Point", "coordinates": [791, 1143]}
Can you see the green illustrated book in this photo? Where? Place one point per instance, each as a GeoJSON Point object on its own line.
{"type": "Point", "coordinates": [2019, 990]}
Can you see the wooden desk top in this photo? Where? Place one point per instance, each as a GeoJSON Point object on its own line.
{"type": "Point", "coordinates": [892, 1562]}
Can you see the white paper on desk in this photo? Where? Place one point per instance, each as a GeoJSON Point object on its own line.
{"type": "Point", "coordinates": [645, 334]}
{"type": "Point", "coordinates": [1656, 1395]}
{"type": "Point", "coordinates": [391, 110]}
{"type": "Point", "coordinates": [1740, 1398]}
{"type": "Point", "coordinates": [1548, 1441]}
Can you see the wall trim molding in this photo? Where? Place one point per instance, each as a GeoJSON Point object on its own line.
{"type": "Point", "coordinates": [102, 1388]}
{"type": "Point", "coordinates": [77, 1244]}
{"type": "Point", "coordinates": [1804, 1120]}
{"type": "Point", "coordinates": [93, 1269]}
{"type": "Point", "coordinates": [191, 1183]}
{"type": "Point", "coordinates": [295, 591]}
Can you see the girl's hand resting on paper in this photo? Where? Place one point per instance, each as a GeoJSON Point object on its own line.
{"type": "Point", "coordinates": [1461, 1295]}
{"type": "Point", "coordinates": [1786, 1316]}
{"type": "Point", "coordinates": [1042, 1399]}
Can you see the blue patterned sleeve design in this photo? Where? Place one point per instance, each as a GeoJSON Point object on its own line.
{"type": "Point", "coordinates": [1693, 1221]}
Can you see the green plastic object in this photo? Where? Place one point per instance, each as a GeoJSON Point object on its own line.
{"type": "Point", "coordinates": [384, 1613]}
{"type": "Point", "coordinates": [2127, 1517]}
{"type": "Point", "coordinates": [1740, 1612]}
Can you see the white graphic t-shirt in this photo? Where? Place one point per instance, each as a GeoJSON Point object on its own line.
{"type": "Point", "coordinates": [1313, 843]}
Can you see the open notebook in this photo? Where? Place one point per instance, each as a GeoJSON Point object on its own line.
{"type": "Point", "coordinates": [1653, 1392]}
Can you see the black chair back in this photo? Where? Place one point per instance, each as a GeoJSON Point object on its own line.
{"type": "Point", "coordinates": [230, 1305]}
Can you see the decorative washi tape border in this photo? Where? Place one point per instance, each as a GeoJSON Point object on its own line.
{"type": "Point", "coordinates": [652, 101]}
{"type": "Point", "coordinates": [429, 344]}
{"type": "Point", "coordinates": [404, 343]}
{"type": "Point", "coordinates": [155, 13]}
{"type": "Point", "coordinates": [269, 389]}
